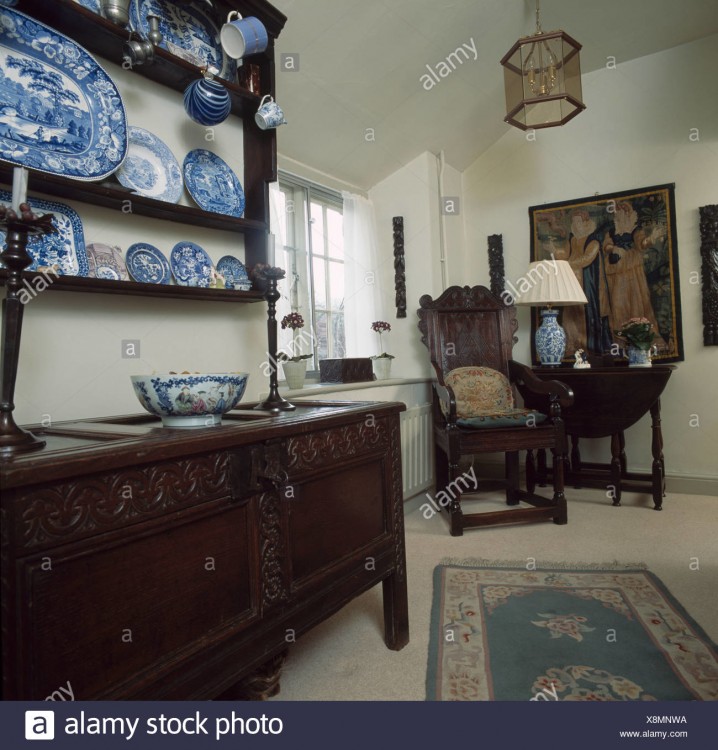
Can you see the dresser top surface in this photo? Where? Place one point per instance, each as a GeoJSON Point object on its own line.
{"type": "Point", "coordinates": [84, 445]}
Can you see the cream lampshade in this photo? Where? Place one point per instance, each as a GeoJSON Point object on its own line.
{"type": "Point", "coordinates": [554, 284]}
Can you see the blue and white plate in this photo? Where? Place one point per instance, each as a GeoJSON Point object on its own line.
{"type": "Point", "coordinates": [147, 264]}
{"type": "Point", "coordinates": [189, 27]}
{"type": "Point", "coordinates": [150, 168]}
{"type": "Point", "coordinates": [59, 111]}
{"type": "Point", "coordinates": [106, 262]}
{"type": "Point", "coordinates": [191, 266]}
{"type": "Point", "coordinates": [64, 248]}
{"type": "Point", "coordinates": [234, 273]}
{"type": "Point", "coordinates": [212, 184]}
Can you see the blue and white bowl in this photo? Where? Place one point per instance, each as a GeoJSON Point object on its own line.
{"type": "Point", "coordinates": [207, 102]}
{"type": "Point", "coordinates": [190, 400]}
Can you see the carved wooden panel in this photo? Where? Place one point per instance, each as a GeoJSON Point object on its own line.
{"type": "Point", "coordinates": [709, 272]}
{"type": "Point", "coordinates": [272, 548]}
{"type": "Point", "coordinates": [318, 448]}
{"type": "Point", "coordinates": [110, 500]}
{"type": "Point", "coordinates": [397, 502]}
{"type": "Point", "coordinates": [399, 266]}
{"type": "Point", "coordinates": [467, 326]}
{"type": "Point", "coordinates": [496, 264]}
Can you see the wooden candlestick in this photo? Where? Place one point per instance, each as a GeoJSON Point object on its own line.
{"type": "Point", "coordinates": [14, 439]}
{"type": "Point", "coordinates": [274, 402]}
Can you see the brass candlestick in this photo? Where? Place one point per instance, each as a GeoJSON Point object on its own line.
{"type": "Point", "coordinates": [274, 402]}
{"type": "Point", "coordinates": [14, 439]}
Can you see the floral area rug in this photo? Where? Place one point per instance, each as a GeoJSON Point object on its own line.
{"type": "Point", "coordinates": [505, 632]}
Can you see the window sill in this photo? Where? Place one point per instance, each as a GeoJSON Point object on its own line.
{"type": "Point", "coordinates": [313, 389]}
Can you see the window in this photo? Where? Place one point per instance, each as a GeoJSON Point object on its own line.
{"type": "Point", "coordinates": [310, 247]}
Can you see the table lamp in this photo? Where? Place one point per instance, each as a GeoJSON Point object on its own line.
{"type": "Point", "coordinates": [554, 284]}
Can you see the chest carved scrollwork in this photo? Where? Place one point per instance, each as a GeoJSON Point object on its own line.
{"type": "Point", "coordinates": [108, 500]}
{"type": "Point", "coordinates": [315, 450]}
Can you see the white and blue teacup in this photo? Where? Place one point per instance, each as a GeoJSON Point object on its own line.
{"type": "Point", "coordinates": [245, 36]}
{"type": "Point", "coordinates": [269, 115]}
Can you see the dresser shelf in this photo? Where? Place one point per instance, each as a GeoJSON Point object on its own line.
{"type": "Point", "coordinates": [135, 288]}
{"type": "Point", "coordinates": [109, 195]}
{"type": "Point", "coordinates": [105, 40]}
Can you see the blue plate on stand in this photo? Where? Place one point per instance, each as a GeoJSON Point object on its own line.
{"type": "Point", "coordinates": [234, 273]}
{"type": "Point", "coordinates": [191, 266]}
{"type": "Point", "coordinates": [212, 183]}
{"type": "Point", "coordinates": [189, 27]}
{"type": "Point", "coordinates": [150, 168]}
{"type": "Point", "coordinates": [147, 264]}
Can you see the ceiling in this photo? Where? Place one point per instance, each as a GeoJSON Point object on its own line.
{"type": "Point", "coordinates": [357, 107]}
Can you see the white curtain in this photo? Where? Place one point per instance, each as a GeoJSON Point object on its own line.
{"type": "Point", "coordinates": [362, 290]}
{"type": "Point", "coordinates": [282, 258]}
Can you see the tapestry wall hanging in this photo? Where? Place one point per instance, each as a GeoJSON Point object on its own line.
{"type": "Point", "coordinates": [622, 248]}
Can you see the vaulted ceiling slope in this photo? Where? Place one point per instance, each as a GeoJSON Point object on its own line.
{"type": "Point", "coordinates": [376, 82]}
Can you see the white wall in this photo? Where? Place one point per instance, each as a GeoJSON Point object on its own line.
{"type": "Point", "coordinates": [413, 192]}
{"type": "Point", "coordinates": [70, 360]}
{"type": "Point", "coordinates": [635, 132]}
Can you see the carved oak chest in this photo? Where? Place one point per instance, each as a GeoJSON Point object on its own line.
{"type": "Point", "coordinates": [147, 563]}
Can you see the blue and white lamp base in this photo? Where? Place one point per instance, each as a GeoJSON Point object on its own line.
{"type": "Point", "coordinates": [550, 339]}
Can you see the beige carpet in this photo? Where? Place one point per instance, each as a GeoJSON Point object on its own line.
{"type": "Point", "coordinates": [345, 658]}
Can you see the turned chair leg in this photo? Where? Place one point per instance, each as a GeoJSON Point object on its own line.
{"type": "Point", "coordinates": [530, 472]}
{"type": "Point", "coordinates": [512, 478]}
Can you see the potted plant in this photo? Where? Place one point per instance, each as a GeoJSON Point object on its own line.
{"type": "Point", "coordinates": [638, 334]}
{"type": "Point", "coordinates": [294, 366]}
{"type": "Point", "coordinates": [381, 363]}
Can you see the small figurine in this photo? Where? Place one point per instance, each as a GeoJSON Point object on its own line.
{"type": "Point", "coordinates": [216, 280]}
{"type": "Point", "coordinates": [581, 362]}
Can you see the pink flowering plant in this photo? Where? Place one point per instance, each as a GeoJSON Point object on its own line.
{"type": "Point", "coordinates": [294, 321]}
{"type": "Point", "coordinates": [637, 332]}
{"type": "Point", "coordinates": [381, 327]}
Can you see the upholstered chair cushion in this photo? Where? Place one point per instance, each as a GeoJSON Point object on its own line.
{"type": "Point", "coordinates": [484, 399]}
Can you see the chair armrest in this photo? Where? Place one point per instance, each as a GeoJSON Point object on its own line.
{"type": "Point", "coordinates": [554, 389]}
{"type": "Point", "coordinates": [445, 394]}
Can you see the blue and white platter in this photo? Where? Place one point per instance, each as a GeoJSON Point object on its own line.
{"type": "Point", "coordinates": [147, 264]}
{"type": "Point", "coordinates": [191, 266]}
{"type": "Point", "coordinates": [64, 248]}
{"type": "Point", "coordinates": [212, 184]}
{"type": "Point", "coordinates": [59, 111]}
{"type": "Point", "coordinates": [189, 27]}
{"type": "Point", "coordinates": [93, 5]}
{"type": "Point", "coordinates": [106, 262]}
{"type": "Point", "coordinates": [234, 273]}
{"type": "Point", "coordinates": [150, 168]}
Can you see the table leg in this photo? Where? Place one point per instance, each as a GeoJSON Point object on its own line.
{"type": "Point", "coordinates": [575, 462]}
{"type": "Point", "coordinates": [622, 452]}
{"type": "Point", "coordinates": [616, 467]}
{"type": "Point", "coordinates": [658, 470]}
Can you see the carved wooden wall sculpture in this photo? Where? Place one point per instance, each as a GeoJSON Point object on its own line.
{"type": "Point", "coordinates": [709, 254]}
{"type": "Point", "coordinates": [399, 266]}
{"type": "Point", "coordinates": [496, 264]}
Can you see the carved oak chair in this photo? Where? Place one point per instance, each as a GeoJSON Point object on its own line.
{"type": "Point", "coordinates": [470, 336]}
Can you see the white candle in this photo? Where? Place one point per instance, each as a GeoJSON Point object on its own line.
{"type": "Point", "coordinates": [19, 188]}
{"type": "Point", "coordinates": [270, 249]}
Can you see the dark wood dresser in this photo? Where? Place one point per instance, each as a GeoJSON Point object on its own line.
{"type": "Point", "coordinates": [140, 562]}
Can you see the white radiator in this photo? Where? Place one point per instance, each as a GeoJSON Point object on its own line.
{"type": "Point", "coordinates": [417, 450]}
